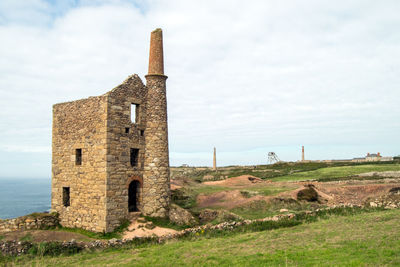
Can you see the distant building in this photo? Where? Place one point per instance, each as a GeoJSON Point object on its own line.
{"type": "Point", "coordinates": [373, 157]}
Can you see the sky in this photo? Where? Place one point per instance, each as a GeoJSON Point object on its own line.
{"type": "Point", "coordinates": [244, 77]}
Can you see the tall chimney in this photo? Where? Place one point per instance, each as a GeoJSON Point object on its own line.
{"type": "Point", "coordinates": [156, 59]}
{"type": "Point", "coordinates": [215, 160]}
{"type": "Point", "coordinates": [156, 186]}
{"type": "Point", "coordinates": [302, 153]}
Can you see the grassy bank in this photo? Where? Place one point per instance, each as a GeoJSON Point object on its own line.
{"type": "Point", "coordinates": [369, 238]}
{"type": "Point", "coordinates": [287, 170]}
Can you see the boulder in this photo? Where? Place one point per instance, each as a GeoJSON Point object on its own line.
{"type": "Point", "coordinates": [181, 216]}
{"type": "Point", "coordinates": [308, 194]}
{"type": "Point", "coordinates": [395, 190]}
{"type": "Point", "coordinates": [311, 194]}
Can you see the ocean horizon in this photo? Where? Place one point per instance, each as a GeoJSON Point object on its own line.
{"type": "Point", "coordinates": [22, 196]}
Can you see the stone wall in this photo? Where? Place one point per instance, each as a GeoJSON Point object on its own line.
{"type": "Point", "coordinates": [122, 135]}
{"type": "Point", "coordinates": [80, 125]}
{"type": "Point", "coordinates": [29, 222]}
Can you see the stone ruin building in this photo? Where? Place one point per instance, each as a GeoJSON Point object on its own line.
{"type": "Point", "coordinates": [110, 152]}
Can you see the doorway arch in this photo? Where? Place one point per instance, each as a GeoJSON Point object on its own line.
{"type": "Point", "coordinates": [133, 196]}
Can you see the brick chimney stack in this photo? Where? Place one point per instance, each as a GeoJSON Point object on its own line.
{"type": "Point", "coordinates": [156, 186]}
{"type": "Point", "coordinates": [302, 153]}
{"type": "Point", "coordinates": [156, 59]}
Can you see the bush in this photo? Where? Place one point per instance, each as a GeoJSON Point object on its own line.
{"type": "Point", "coordinates": [184, 197]}
{"type": "Point", "coordinates": [54, 249]}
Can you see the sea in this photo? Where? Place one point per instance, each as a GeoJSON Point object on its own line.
{"type": "Point", "coordinates": [20, 197]}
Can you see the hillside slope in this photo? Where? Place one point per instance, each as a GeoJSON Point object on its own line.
{"type": "Point", "coordinates": [368, 239]}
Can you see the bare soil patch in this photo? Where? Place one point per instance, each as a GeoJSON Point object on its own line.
{"type": "Point", "coordinates": [138, 229]}
{"type": "Point", "coordinates": [243, 180]}
{"type": "Point", "coordinates": [354, 192]}
{"type": "Point", "coordinates": [226, 199]}
{"type": "Point", "coordinates": [44, 235]}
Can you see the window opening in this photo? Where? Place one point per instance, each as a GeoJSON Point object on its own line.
{"type": "Point", "coordinates": [134, 156]}
{"type": "Point", "coordinates": [141, 132]}
{"type": "Point", "coordinates": [135, 113]}
{"type": "Point", "coordinates": [127, 130]}
{"type": "Point", "coordinates": [66, 197]}
{"type": "Point", "coordinates": [78, 156]}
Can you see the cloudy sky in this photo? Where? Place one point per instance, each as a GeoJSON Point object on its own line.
{"type": "Point", "coordinates": [247, 77]}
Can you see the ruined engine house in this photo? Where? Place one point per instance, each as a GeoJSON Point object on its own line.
{"type": "Point", "coordinates": [110, 152]}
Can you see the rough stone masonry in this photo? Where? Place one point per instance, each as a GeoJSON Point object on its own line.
{"type": "Point", "coordinates": [110, 152]}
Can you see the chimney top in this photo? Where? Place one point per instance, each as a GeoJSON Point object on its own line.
{"type": "Point", "coordinates": [156, 59]}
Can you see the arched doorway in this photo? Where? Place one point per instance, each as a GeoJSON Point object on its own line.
{"type": "Point", "coordinates": [133, 196]}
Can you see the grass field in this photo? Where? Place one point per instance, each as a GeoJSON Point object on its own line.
{"type": "Point", "coordinates": [289, 170]}
{"type": "Point", "coordinates": [337, 172]}
{"type": "Point", "coordinates": [367, 239]}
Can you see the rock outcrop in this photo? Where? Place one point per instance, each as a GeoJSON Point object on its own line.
{"type": "Point", "coordinates": [181, 216]}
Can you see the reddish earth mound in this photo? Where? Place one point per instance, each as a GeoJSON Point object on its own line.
{"type": "Point", "coordinates": [356, 194]}
{"type": "Point", "coordinates": [242, 180]}
{"type": "Point", "coordinates": [225, 199]}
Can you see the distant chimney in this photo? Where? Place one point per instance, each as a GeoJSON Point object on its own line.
{"type": "Point", "coordinates": [302, 153]}
{"type": "Point", "coordinates": [215, 160]}
{"type": "Point", "coordinates": [156, 59]}
{"type": "Point", "coordinates": [379, 154]}
{"type": "Point", "coordinates": [368, 154]}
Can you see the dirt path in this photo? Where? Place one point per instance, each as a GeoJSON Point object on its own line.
{"type": "Point", "coordinates": [138, 229]}
{"type": "Point", "coordinates": [44, 235]}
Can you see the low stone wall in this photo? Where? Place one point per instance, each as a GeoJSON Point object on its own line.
{"type": "Point", "coordinates": [32, 221]}
{"type": "Point", "coordinates": [14, 248]}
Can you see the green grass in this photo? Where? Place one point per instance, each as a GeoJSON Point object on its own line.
{"type": "Point", "coordinates": [210, 189]}
{"type": "Point", "coordinates": [338, 172]}
{"type": "Point", "coordinates": [261, 208]}
{"type": "Point", "coordinates": [27, 237]}
{"type": "Point", "coordinates": [367, 239]}
{"type": "Point", "coordinates": [283, 169]}
{"type": "Point", "coordinates": [1, 237]}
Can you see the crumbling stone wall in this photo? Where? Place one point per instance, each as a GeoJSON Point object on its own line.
{"type": "Point", "coordinates": [29, 222]}
{"type": "Point", "coordinates": [120, 173]}
{"type": "Point", "coordinates": [82, 125]}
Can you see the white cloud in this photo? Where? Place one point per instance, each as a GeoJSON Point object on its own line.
{"type": "Point", "coordinates": [241, 77]}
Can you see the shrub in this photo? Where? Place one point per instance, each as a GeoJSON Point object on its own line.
{"type": "Point", "coordinates": [184, 197]}
{"type": "Point", "coordinates": [54, 249]}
